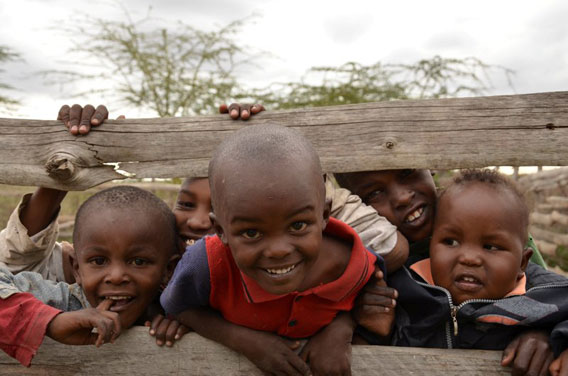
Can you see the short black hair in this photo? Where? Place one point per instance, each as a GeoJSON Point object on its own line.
{"type": "Point", "coordinates": [267, 145]}
{"type": "Point", "coordinates": [127, 197]}
{"type": "Point", "coordinates": [496, 180]}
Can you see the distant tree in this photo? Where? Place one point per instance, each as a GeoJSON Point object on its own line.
{"type": "Point", "coordinates": [7, 103]}
{"type": "Point", "coordinates": [352, 82]}
{"type": "Point", "coordinates": [173, 69]}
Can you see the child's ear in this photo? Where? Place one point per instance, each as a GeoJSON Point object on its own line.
{"type": "Point", "coordinates": [170, 267]}
{"type": "Point", "coordinates": [527, 254]}
{"type": "Point", "coordinates": [218, 229]}
{"type": "Point", "coordinates": [326, 212]}
{"type": "Point", "coordinates": [75, 265]}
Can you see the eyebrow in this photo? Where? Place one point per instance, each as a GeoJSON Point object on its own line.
{"type": "Point", "coordinates": [256, 220]}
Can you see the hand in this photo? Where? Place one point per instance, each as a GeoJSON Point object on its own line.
{"type": "Point", "coordinates": [245, 111]}
{"type": "Point", "coordinates": [272, 354]}
{"type": "Point", "coordinates": [528, 354]}
{"type": "Point", "coordinates": [375, 307]}
{"type": "Point", "coordinates": [166, 330]}
{"type": "Point", "coordinates": [79, 120]}
{"type": "Point", "coordinates": [329, 351]}
{"type": "Point", "coordinates": [75, 328]}
{"type": "Point", "coordinates": [559, 367]}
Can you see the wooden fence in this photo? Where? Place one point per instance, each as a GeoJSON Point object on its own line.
{"type": "Point", "coordinates": [447, 133]}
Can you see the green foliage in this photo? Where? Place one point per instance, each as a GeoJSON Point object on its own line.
{"type": "Point", "coordinates": [7, 103]}
{"type": "Point", "coordinates": [352, 82]}
{"type": "Point", "coordinates": [174, 70]}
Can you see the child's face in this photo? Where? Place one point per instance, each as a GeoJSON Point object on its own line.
{"type": "Point", "coordinates": [477, 249]}
{"type": "Point", "coordinates": [192, 209]}
{"type": "Point", "coordinates": [122, 256]}
{"type": "Point", "coordinates": [407, 198]}
{"type": "Point", "coordinates": [273, 223]}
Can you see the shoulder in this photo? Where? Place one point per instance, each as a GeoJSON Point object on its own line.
{"type": "Point", "coordinates": [538, 276]}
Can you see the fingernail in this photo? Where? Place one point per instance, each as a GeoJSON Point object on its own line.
{"type": "Point", "coordinates": [387, 309]}
{"type": "Point", "coordinates": [159, 343]}
{"type": "Point", "coordinates": [83, 129]}
{"type": "Point", "coordinates": [169, 343]}
{"type": "Point", "coordinates": [74, 129]}
{"type": "Point", "coordinates": [177, 336]}
{"type": "Point", "coordinates": [393, 302]}
{"type": "Point", "coordinates": [95, 121]}
{"type": "Point", "coordinates": [152, 332]}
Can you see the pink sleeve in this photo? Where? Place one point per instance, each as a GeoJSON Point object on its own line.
{"type": "Point", "coordinates": [23, 323]}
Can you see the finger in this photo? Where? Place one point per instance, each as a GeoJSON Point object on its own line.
{"type": "Point", "coordinates": [377, 300]}
{"type": "Point", "coordinates": [104, 329]}
{"type": "Point", "coordinates": [161, 332]}
{"type": "Point", "coordinates": [85, 123]}
{"type": "Point", "coordinates": [75, 118]}
{"type": "Point", "coordinates": [182, 330]}
{"type": "Point", "coordinates": [554, 367]}
{"type": "Point", "coordinates": [223, 109]}
{"type": "Point", "coordinates": [63, 115]}
{"type": "Point", "coordinates": [386, 291]}
{"type": "Point", "coordinates": [299, 365]}
{"type": "Point", "coordinates": [99, 116]}
{"type": "Point", "coordinates": [121, 117]}
{"type": "Point", "coordinates": [245, 111]}
{"type": "Point", "coordinates": [234, 110]}
{"type": "Point", "coordinates": [256, 108]}
{"type": "Point", "coordinates": [116, 328]}
{"type": "Point", "coordinates": [522, 360]}
{"type": "Point", "coordinates": [548, 361]}
{"type": "Point", "coordinates": [105, 305]}
{"type": "Point", "coordinates": [171, 332]}
{"type": "Point", "coordinates": [156, 321]}
{"type": "Point", "coordinates": [379, 275]}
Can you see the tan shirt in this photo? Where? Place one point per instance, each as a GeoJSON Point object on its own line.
{"type": "Point", "coordinates": [39, 253]}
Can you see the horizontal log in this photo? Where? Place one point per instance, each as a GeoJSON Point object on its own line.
{"type": "Point", "coordinates": [441, 133]}
{"type": "Point", "coordinates": [135, 353]}
{"type": "Point", "coordinates": [549, 219]}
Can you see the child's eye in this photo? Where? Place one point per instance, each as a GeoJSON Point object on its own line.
{"type": "Point", "coordinates": [298, 226]}
{"type": "Point", "coordinates": [185, 205]}
{"type": "Point", "coordinates": [450, 242]}
{"type": "Point", "coordinates": [99, 260]}
{"type": "Point", "coordinates": [251, 234]}
{"type": "Point", "coordinates": [491, 247]}
{"type": "Point", "coordinates": [139, 261]}
{"type": "Point", "coordinates": [374, 196]}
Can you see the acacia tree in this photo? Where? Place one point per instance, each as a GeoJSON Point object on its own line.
{"type": "Point", "coordinates": [7, 103]}
{"type": "Point", "coordinates": [352, 82]}
{"type": "Point", "coordinates": [174, 70]}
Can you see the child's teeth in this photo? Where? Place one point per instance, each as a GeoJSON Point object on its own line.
{"type": "Point", "coordinates": [415, 214]}
{"type": "Point", "coordinates": [190, 241]}
{"type": "Point", "coordinates": [118, 297]}
{"type": "Point", "coordinates": [280, 271]}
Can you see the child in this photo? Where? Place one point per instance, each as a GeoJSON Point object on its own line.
{"type": "Point", "coordinates": [278, 264]}
{"type": "Point", "coordinates": [124, 240]}
{"type": "Point", "coordinates": [477, 289]}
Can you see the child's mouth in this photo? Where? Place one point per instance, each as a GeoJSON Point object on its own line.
{"type": "Point", "coordinates": [415, 215]}
{"type": "Point", "coordinates": [468, 283]}
{"type": "Point", "coordinates": [190, 242]}
{"type": "Point", "coordinates": [281, 271]}
{"type": "Point", "coordinates": [120, 302]}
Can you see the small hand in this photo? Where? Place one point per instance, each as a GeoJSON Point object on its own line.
{"type": "Point", "coordinates": [165, 330]}
{"type": "Point", "coordinates": [273, 355]}
{"type": "Point", "coordinates": [75, 328]}
{"type": "Point", "coordinates": [329, 351]}
{"type": "Point", "coordinates": [80, 119]}
{"type": "Point", "coordinates": [559, 367]}
{"type": "Point", "coordinates": [375, 306]}
{"type": "Point", "coordinates": [528, 354]}
{"type": "Point", "coordinates": [244, 111]}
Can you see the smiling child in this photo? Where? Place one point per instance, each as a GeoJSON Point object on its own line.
{"type": "Point", "coordinates": [478, 290]}
{"type": "Point", "coordinates": [278, 263]}
{"type": "Point", "coordinates": [124, 239]}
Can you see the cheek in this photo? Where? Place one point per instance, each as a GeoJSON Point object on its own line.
{"type": "Point", "coordinates": [384, 209]}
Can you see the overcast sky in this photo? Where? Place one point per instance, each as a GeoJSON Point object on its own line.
{"type": "Point", "coordinates": [530, 37]}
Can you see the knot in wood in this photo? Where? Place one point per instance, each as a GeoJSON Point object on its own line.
{"type": "Point", "coordinates": [60, 166]}
{"type": "Point", "coordinates": [389, 144]}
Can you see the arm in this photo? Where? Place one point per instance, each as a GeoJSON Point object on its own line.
{"type": "Point", "coordinates": [375, 231]}
{"type": "Point", "coordinates": [267, 351]}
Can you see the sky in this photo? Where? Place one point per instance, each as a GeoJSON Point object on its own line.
{"type": "Point", "coordinates": [529, 37]}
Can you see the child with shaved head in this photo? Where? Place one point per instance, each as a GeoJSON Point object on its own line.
{"type": "Point", "coordinates": [124, 240]}
{"type": "Point", "coordinates": [278, 265]}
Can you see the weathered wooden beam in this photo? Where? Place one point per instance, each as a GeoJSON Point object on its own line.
{"type": "Point", "coordinates": [135, 353]}
{"type": "Point", "coordinates": [517, 130]}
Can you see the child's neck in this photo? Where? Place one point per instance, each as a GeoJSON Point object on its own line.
{"type": "Point", "coordinates": [331, 263]}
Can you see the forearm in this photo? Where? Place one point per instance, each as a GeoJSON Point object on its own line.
{"type": "Point", "coordinates": [41, 208]}
{"type": "Point", "coordinates": [396, 258]}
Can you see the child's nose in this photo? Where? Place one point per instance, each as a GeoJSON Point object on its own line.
{"type": "Point", "coordinates": [278, 248]}
{"type": "Point", "coordinates": [470, 256]}
{"type": "Point", "coordinates": [402, 196]}
{"type": "Point", "coordinates": [200, 221]}
{"type": "Point", "coordinates": [117, 274]}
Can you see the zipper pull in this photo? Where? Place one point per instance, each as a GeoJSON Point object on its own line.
{"type": "Point", "coordinates": [454, 314]}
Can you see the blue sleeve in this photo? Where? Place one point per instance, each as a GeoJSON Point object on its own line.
{"type": "Point", "coordinates": [559, 338]}
{"type": "Point", "coordinates": [190, 285]}
{"type": "Point", "coordinates": [380, 262]}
